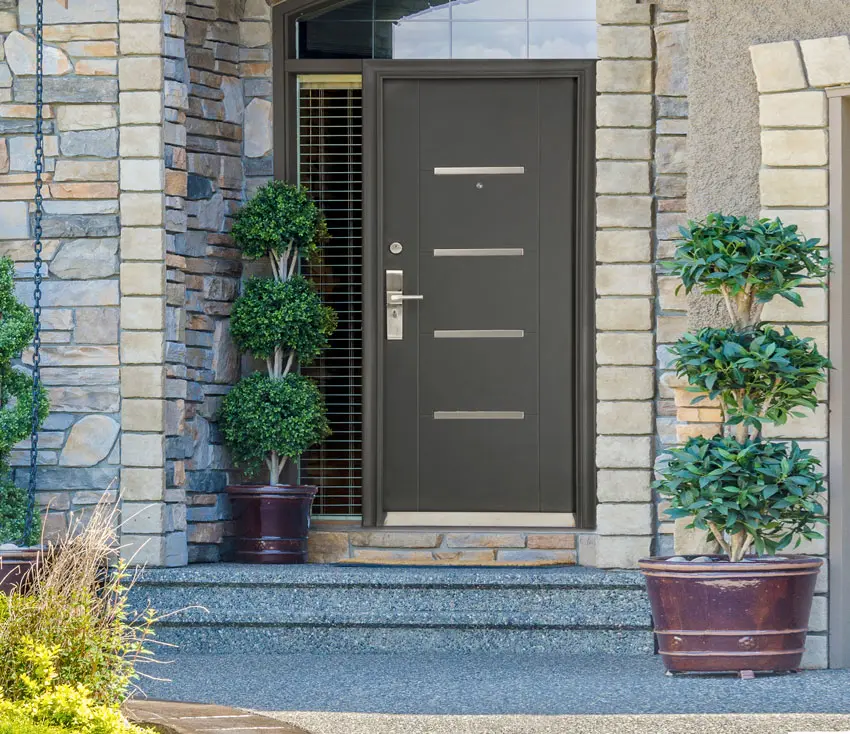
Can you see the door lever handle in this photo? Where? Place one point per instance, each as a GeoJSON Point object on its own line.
{"type": "Point", "coordinates": [396, 298]}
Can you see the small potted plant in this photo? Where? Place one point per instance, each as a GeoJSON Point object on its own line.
{"type": "Point", "coordinates": [18, 548]}
{"type": "Point", "coordinates": [271, 418]}
{"type": "Point", "coordinates": [747, 608]}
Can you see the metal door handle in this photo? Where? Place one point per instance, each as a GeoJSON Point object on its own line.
{"type": "Point", "coordinates": [395, 304]}
{"type": "Point", "coordinates": [400, 297]}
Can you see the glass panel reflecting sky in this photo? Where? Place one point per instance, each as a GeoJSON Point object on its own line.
{"type": "Point", "coordinates": [458, 29]}
{"type": "Point", "coordinates": [489, 9]}
{"type": "Point", "coordinates": [406, 40]}
{"type": "Point", "coordinates": [560, 39]}
{"type": "Point", "coordinates": [412, 10]}
{"type": "Point", "coordinates": [566, 9]}
{"type": "Point", "coordinates": [489, 40]}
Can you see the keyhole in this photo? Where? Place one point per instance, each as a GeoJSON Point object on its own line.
{"type": "Point", "coordinates": [479, 185]}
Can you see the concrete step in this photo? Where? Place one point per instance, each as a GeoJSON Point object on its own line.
{"type": "Point", "coordinates": [229, 608]}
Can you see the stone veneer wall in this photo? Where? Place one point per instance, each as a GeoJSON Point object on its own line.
{"type": "Point", "coordinates": [329, 544]}
{"type": "Point", "coordinates": [641, 188]}
{"type": "Point", "coordinates": [103, 293]}
{"type": "Point", "coordinates": [671, 206]}
{"type": "Point", "coordinates": [794, 185]}
{"type": "Point", "coordinates": [218, 78]}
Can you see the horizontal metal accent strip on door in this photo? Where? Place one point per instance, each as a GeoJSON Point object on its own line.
{"type": "Point", "coordinates": [330, 165]}
{"type": "Point", "coordinates": [479, 415]}
{"type": "Point", "coordinates": [479, 334]}
{"type": "Point", "coordinates": [480, 252]}
{"type": "Point", "coordinates": [479, 170]}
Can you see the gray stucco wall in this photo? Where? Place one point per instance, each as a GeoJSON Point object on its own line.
{"type": "Point", "coordinates": [724, 140]}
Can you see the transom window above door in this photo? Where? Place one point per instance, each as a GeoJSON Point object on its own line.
{"type": "Point", "coordinates": [450, 29]}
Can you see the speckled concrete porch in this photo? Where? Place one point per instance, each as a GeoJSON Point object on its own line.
{"type": "Point", "coordinates": [487, 684]}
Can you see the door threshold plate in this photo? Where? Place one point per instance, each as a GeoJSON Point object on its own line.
{"type": "Point", "coordinates": [481, 519]}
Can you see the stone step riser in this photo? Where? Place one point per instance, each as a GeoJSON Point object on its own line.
{"type": "Point", "coordinates": [279, 640]}
{"type": "Point", "coordinates": [549, 607]}
{"type": "Point", "coordinates": [279, 610]}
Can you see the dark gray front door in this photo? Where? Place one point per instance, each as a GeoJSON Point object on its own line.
{"type": "Point", "coordinates": [477, 216]}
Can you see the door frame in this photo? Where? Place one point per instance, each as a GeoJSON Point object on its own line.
{"type": "Point", "coordinates": [374, 74]}
{"type": "Point", "coordinates": [839, 380]}
{"type": "Point", "coordinates": [286, 70]}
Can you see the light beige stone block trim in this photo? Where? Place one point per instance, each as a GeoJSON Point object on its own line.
{"type": "Point", "coordinates": [624, 485]}
{"type": "Point", "coordinates": [624, 452]}
{"type": "Point", "coordinates": [795, 147]}
{"type": "Point", "coordinates": [148, 511]}
{"type": "Point", "coordinates": [614, 75]}
{"type": "Point", "coordinates": [827, 61]}
{"type": "Point", "coordinates": [143, 243]}
{"type": "Point", "coordinates": [623, 143]}
{"type": "Point", "coordinates": [622, 12]}
{"type": "Point", "coordinates": [624, 280]}
{"type": "Point", "coordinates": [622, 551]}
{"type": "Point", "coordinates": [142, 347]}
{"type": "Point", "coordinates": [624, 42]}
{"type": "Point", "coordinates": [807, 187]}
{"type": "Point", "coordinates": [813, 223]}
{"type": "Point", "coordinates": [624, 110]}
{"type": "Point", "coordinates": [142, 381]}
{"type": "Point", "coordinates": [625, 348]}
{"type": "Point", "coordinates": [794, 109]}
{"type": "Point", "coordinates": [625, 383]}
{"type": "Point", "coordinates": [624, 519]}
{"type": "Point", "coordinates": [142, 210]}
{"type": "Point", "coordinates": [143, 449]}
{"type": "Point", "coordinates": [143, 415]}
{"type": "Point", "coordinates": [142, 278]}
{"type": "Point", "coordinates": [622, 177]}
{"type": "Point", "coordinates": [142, 313]}
{"type": "Point", "coordinates": [624, 418]}
{"type": "Point", "coordinates": [778, 67]}
{"type": "Point", "coordinates": [143, 485]}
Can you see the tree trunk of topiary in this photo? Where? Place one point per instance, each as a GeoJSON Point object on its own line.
{"type": "Point", "coordinates": [283, 268]}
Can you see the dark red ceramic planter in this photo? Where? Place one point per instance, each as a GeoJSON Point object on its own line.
{"type": "Point", "coordinates": [272, 523]}
{"type": "Point", "coordinates": [16, 568]}
{"type": "Point", "coordinates": [718, 616]}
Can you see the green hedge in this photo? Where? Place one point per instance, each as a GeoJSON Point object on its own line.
{"type": "Point", "coordinates": [17, 725]}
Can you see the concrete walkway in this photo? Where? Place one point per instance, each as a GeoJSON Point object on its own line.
{"type": "Point", "coordinates": [488, 685]}
{"type": "Point", "coordinates": [689, 724]}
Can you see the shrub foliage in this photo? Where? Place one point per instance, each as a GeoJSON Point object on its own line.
{"type": "Point", "coordinates": [271, 314]}
{"type": "Point", "coordinates": [760, 375]}
{"type": "Point", "coordinates": [264, 415]}
{"type": "Point", "coordinates": [750, 494]}
{"type": "Point", "coordinates": [273, 419]}
{"type": "Point", "coordinates": [17, 328]}
{"type": "Point", "coordinates": [279, 218]}
{"type": "Point", "coordinates": [764, 491]}
{"type": "Point", "coordinates": [747, 262]}
{"type": "Point", "coordinates": [69, 646]}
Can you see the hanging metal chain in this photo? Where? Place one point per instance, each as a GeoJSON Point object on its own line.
{"type": "Point", "coordinates": [38, 262]}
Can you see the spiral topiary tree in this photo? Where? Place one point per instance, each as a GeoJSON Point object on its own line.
{"type": "Point", "coordinates": [272, 419]}
{"type": "Point", "coordinates": [17, 328]}
{"type": "Point", "coordinates": [747, 492]}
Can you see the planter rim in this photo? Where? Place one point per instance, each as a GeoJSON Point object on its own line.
{"type": "Point", "coordinates": [280, 490]}
{"type": "Point", "coordinates": [808, 564]}
{"type": "Point", "coordinates": [20, 554]}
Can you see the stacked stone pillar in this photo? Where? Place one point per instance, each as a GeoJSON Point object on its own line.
{"type": "Point", "coordinates": [154, 527]}
{"type": "Point", "coordinates": [624, 284]}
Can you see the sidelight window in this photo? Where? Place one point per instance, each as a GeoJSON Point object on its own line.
{"type": "Point", "coordinates": [450, 29]}
{"type": "Point", "coordinates": [329, 165]}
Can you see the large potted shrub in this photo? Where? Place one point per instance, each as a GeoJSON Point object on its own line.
{"type": "Point", "coordinates": [272, 417]}
{"type": "Point", "coordinates": [17, 328]}
{"type": "Point", "coordinates": [748, 607]}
